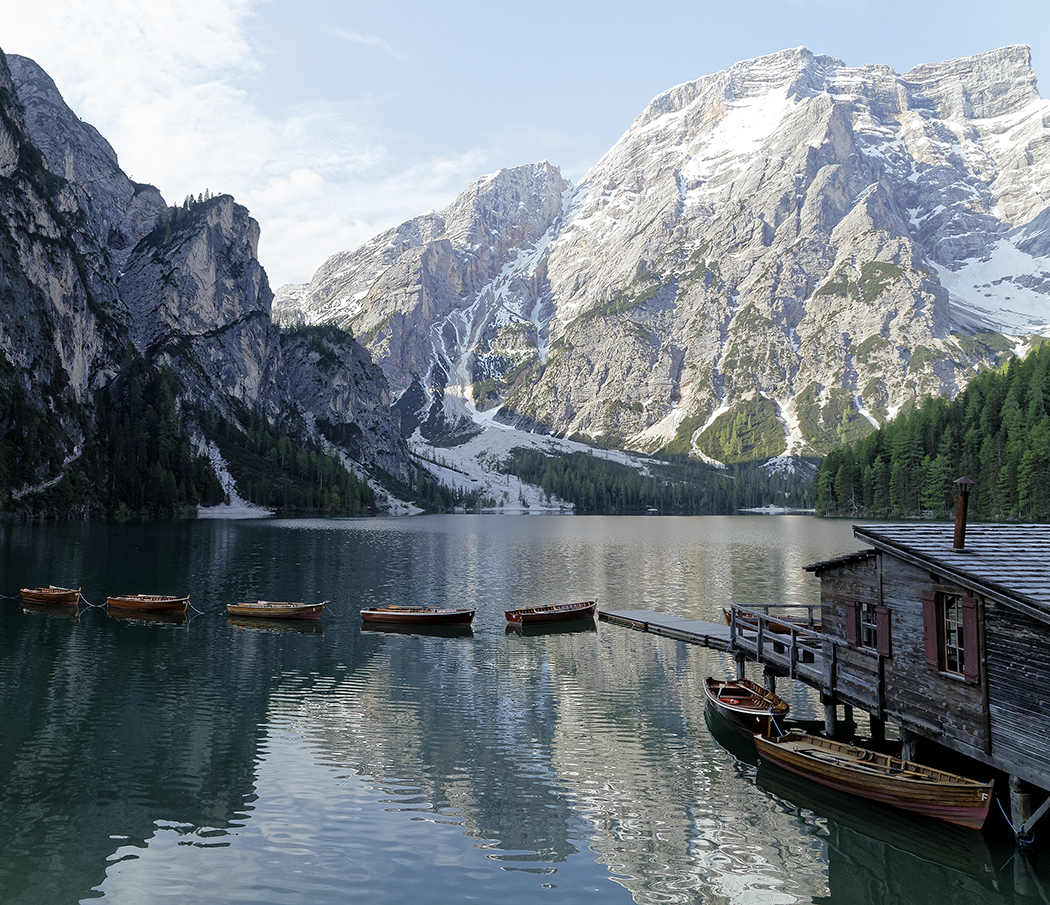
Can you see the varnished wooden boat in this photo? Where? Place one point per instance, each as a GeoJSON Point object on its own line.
{"type": "Point", "coordinates": [417, 615]}
{"type": "Point", "coordinates": [880, 777]}
{"type": "Point", "coordinates": [52, 595]}
{"type": "Point", "coordinates": [150, 603]}
{"type": "Point", "coordinates": [745, 703]}
{"type": "Point", "coordinates": [554, 612]}
{"type": "Point", "coordinates": [274, 609]}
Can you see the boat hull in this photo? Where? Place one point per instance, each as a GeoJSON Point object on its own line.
{"type": "Point", "coordinates": [417, 615]}
{"type": "Point", "coordinates": [51, 595]}
{"type": "Point", "coordinates": [564, 612]}
{"type": "Point", "coordinates": [269, 609]}
{"type": "Point", "coordinates": [149, 603]}
{"type": "Point", "coordinates": [879, 777]}
{"type": "Point", "coordinates": [745, 704]}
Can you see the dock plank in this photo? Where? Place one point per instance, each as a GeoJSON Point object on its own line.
{"type": "Point", "coordinates": [695, 631]}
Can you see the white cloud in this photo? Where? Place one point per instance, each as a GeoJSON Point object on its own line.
{"type": "Point", "coordinates": [368, 40]}
{"type": "Point", "coordinates": [308, 217]}
{"type": "Point", "coordinates": [169, 84]}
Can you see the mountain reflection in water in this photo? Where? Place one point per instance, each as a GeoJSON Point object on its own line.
{"type": "Point", "coordinates": [211, 761]}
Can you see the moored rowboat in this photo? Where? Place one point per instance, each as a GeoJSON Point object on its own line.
{"type": "Point", "coordinates": [745, 703]}
{"type": "Point", "coordinates": [51, 594]}
{"type": "Point", "coordinates": [417, 615]}
{"type": "Point", "coordinates": [274, 609]}
{"type": "Point", "coordinates": [150, 603]}
{"type": "Point", "coordinates": [554, 612]}
{"type": "Point", "coordinates": [880, 777]}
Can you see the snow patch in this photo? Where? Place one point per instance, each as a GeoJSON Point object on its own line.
{"type": "Point", "coordinates": [235, 506]}
{"type": "Point", "coordinates": [993, 294]}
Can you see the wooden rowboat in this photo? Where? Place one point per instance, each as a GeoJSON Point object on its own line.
{"type": "Point", "coordinates": [555, 612]}
{"type": "Point", "coordinates": [417, 615]}
{"type": "Point", "coordinates": [150, 603]}
{"type": "Point", "coordinates": [880, 777]}
{"type": "Point", "coordinates": [52, 595]}
{"type": "Point", "coordinates": [745, 703]}
{"type": "Point", "coordinates": [274, 609]}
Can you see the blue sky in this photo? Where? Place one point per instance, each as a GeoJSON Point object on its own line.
{"type": "Point", "coordinates": [332, 121]}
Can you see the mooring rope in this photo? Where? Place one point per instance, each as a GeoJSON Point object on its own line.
{"type": "Point", "coordinates": [86, 602]}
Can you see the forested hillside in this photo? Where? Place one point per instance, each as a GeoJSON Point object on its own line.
{"type": "Point", "coordinates": [996, 432]}
{"type": "Point", "coordinates": [678, 487]}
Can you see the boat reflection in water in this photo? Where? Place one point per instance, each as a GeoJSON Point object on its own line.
{"type": "Point", "coordinates": [68, 610]}
{"type": "Point", "coordinates": [436, 631]}
{"type": "Point", "coordinates": [876, 854]}
{"type": "Point", "coordinates": [552, 628]}
{"type": "Point", "coordinates": [145, 616]}
{"type": "Point", "coordinates": [299, 626]}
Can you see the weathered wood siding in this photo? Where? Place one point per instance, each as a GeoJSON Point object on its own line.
{"type": "Point", "coordinates": [1018, 669]}
{"type": "Point", "coordinates": [944, 707]}
{"type": "Point", "coordinates": [851, 671]}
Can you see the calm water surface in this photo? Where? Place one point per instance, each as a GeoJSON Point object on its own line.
{"type": "Point", "coordinates": [208, 762]}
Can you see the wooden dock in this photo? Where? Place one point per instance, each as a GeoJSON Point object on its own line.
{"type": "Point", "coordinates": [695, 631]}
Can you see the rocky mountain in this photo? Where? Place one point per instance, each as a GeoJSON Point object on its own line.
{"type": "Point", "coordinates": [772, 259]}
{"type": "Point", "coordinates": [100, 277]}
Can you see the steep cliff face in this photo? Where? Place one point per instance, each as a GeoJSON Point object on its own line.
{"type": "Point", "coordinates": [97, 272]}
{"type": "Point", "coordinates": [60, 332]}
{"type": "Point", "coordinates": [434, 298]}
{"type": "Point", "coordinates": [772, 259]}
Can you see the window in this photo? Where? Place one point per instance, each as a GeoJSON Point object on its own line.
{"type": "Point", "coordinates": [868, 626]}
{"type": "Point", "coordinates": [953, 650]}
{"type": "Point", "coordinates": [951, 630]}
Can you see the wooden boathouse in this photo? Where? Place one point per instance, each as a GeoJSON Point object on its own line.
{"type": "Point", "coordinates": [945, 634]}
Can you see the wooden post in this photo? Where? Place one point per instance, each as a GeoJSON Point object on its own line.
{"type": "Point", "coordinates": [769, 679]}
{"type": "Point", "coordinates": [909, 745]}
{"type": "Point", "coordinates": [1020, 802]}
{"type": "Point", "coordinates": [877, 728]}
{"type": "Point", "coordinates": [741, 661]}
{"type": "Point", "coordinates": [831, 719]}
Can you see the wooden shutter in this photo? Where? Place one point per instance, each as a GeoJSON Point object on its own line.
{"type": "Point", "coordinates": [882, 630]}
{"type": "Point", "coordinates": [852, 622]}
{"type": "Point", "coordinates": [971, 642]}
{"type": "Point", "coordinates": [929, 629]}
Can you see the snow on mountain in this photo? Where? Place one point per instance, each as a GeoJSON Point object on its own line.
{"type": "Point", "coordinates": [770, 260]}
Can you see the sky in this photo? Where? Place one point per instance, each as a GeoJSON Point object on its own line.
{"type": "Point", "coordinates": [333, 120]}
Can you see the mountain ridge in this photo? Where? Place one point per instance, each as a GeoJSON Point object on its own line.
{"type": "Point", "coordinates": [791, 241]}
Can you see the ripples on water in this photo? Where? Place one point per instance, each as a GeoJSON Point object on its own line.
{"type": "Point", "coordinates": [212, 762]}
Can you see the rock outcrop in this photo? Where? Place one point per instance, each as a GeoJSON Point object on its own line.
{"type": "Point", "coordinates": [96, 271]}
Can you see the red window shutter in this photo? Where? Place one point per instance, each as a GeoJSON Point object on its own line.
{"type": "Point", "coordinates": [971, 644]}
{"type": "Point", "coordinates": [852, 622]}
{"type": "Point", "coordinates": [929, 629]}
{"type": "Point", "coordinates": [882, 630]}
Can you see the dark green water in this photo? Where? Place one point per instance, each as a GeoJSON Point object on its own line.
{"type": "Point", "coordinates": [207, 762]}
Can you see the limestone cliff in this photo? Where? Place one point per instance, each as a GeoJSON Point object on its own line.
{"type": "Point", "coordinates": [97, 272]}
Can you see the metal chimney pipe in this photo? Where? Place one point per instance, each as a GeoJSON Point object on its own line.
{"type": "Point", "coordinates": [961, 505]}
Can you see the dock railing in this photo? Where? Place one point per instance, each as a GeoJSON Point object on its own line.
{"type": "Point", "coordinates": [791, 642]}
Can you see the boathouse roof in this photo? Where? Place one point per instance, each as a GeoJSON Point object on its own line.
{"type": "Point", "coordinates": [1009, 563]}
{"type": "Point", "coordinates": [847, 559]}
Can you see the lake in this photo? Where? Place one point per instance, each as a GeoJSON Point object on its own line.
{"type": "Point", "coordinates": [204, 761]}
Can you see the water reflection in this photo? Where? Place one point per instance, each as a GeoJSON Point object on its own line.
{"type": "Point", "coordinates": [233, 763]}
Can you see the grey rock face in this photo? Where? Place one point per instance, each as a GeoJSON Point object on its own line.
{"type": "Point", "coordinates": [773, 258]}
{"type": "Point", "coordinates": [90, 263]}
